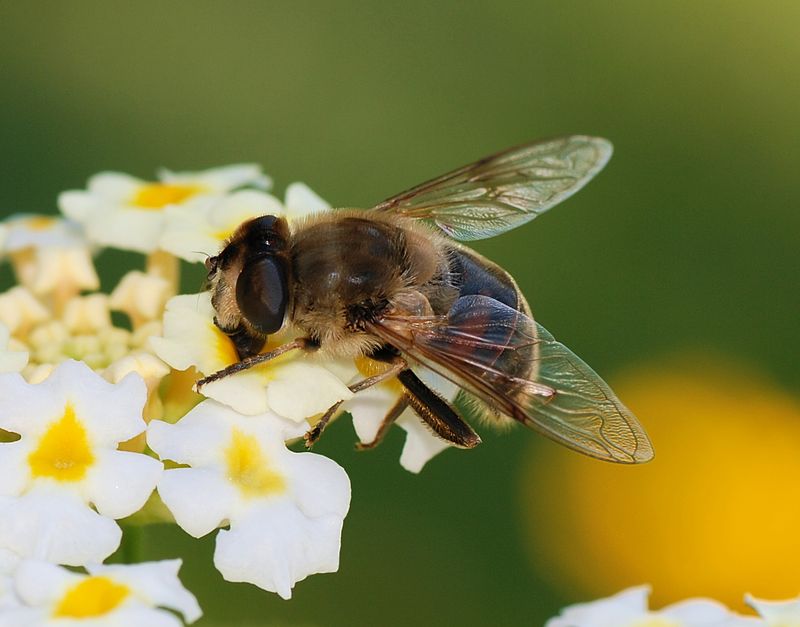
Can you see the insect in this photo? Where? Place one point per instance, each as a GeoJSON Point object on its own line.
{"type": "Point", "coordinates": [394, 284]}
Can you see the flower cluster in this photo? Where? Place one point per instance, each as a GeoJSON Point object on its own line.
{"type": "Point", "coordinates": [99, 419]}
{"type": "Point", "coordinates": [629, 608]}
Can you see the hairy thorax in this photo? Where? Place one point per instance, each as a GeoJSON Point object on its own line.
{"type": "Point", "coordinates": [347, 269]}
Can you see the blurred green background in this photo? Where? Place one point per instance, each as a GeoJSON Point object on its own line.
{"type": "Point", "coordinates": [687, 242]}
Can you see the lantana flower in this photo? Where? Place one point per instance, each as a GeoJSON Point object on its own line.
{"type": "Point", "coordinates": [630, 609]}
{"type": "Point", "coordinates": [63, 482]}
{"type": "Point", "coordinates": [128, 213]}
{"type": "Point", "coordinates": [776, 613]}
{"type": "Point", "coordinates": [108, 596]}
{"type": "Point", "coordinates": [49, 254]}
{"type": "Point", "coordinates": [191, 339]}
{"type": "Point", "coordinates": [198, 228]}
{"type": "Point", "coordinates": [285, 510]}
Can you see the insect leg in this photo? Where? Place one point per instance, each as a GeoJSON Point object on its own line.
{"type": "Point", "coordinates": [437, 412]}
{"type": "Point", "coordinates": [312, 435]}
{"type": "Point", "coordinates": [393, 414]}
{"type": "Point", "coordinates": [398, 364]}
{"type": "Point", "coordinates": [248, 362]}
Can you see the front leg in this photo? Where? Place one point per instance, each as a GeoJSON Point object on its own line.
{"type": "Point", "coordinates": [396, 365]}
{"type": "Point", "coordinates": [301, 343]}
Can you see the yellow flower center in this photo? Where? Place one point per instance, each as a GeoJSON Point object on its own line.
{"type": "Point", "coordinates": [225, 351]}
{"type": "Point", "coordinates": [158, 195]}
{"type": "Point", "coordinates": [40, 223]}
{"type": "Point", "coordinates": [92, 597]}
{"type": "Point", "coordinates": [224, 233]}
{"type": "Point", "coordinates": [370, 367]}
{"type": "Point", "coordinates": [249, 468]}
{"type": "Point", "coordinates": [64, 452]}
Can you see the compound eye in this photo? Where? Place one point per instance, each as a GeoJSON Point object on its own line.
{"type": "Point", "coordinates": [262, 293]}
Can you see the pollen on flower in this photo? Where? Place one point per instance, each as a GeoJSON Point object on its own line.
{"type": "Point", "coordinates": [91, 597]}
{"type": "Point", "coordinates": [370, 367]}
{"type": "Point", "coordinates": [64, 452]}
{"type": "Point", "coordinates": [159, 195]}
{"type": "Point", "coordinates": [225, 349]}
{"type": "Point", "coordinates": [249, 468]}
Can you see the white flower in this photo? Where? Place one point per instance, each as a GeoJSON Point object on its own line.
{"type": "Point", "coordinates": [370, 406]}
{"type": "Point", "coordinates": [49, 254]}
{"type": "Point", "coordinates": [40, 231]}
{"type": "Point", "coordinates": [192, 339]}
{"type": "Point", "coordinates": [285, 509]}
{"type": "Point", "coordinates": [198, 228]}
{"type": "Point", "coordinates": [109, 596]}
{"type": "Point", "coordinates": [66, 460]}
{"type": "Point", "coordinates": [776, 613]}
{"type": "Point", "coordinates": [629, 609]}
{"type": "Point", "coordinates": [125, 212]}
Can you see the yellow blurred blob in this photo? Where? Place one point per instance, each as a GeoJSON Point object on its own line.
{"type": "Point", "coordinates": [159, 195]}
{"type": "Point", "coordinates": [90, 598]}
{"type": "Point", "coordinates": [716, 513]}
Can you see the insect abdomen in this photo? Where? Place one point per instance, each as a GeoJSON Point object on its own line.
{"type": "Point", "coordinates": [473, 275]}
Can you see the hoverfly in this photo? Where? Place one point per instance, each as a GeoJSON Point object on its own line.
{"type": "Point", "coordinates": [392, 283]}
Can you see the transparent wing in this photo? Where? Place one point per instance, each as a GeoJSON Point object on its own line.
{"type": "Point", "coordinates": [518, 368]}
{"type": "Point", "coordinates": [503, 191]}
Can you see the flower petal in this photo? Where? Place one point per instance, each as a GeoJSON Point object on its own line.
{"type": "Point", "coordinates": [319, 485]}
{"type": "Point", "coordinates": [157, 582]}
{"type": "Point", "coordinates": [222, 179]}
{"type": "Point", "coordinates": [179, 488]}
{"type": "Point", "coordinates": [621, 609]}
{"type": "Point", "coordinates": [198, 228]}
{"type": "Point", "coordinates": [704, 613]}
{"type": "Point", "coordinates": [57, 268]}
{"type": "Point", "coordinates": [42, 583]}
{"type": "Point", "coordinates": [141, 295]}
{"type": "Point", "coordinates": [120, 482]}
{"type": "Point", "coordinates": [301, 389]}
{"type": "Point", "coordinates": [190, 338]}
{"type": "Point", "coordinates": [56, 526]}
{"type": "Point", "coordinates": [14, 470]}
{"type": "Point", "coordinates": [785, 613]}
{"type": "Point", "coordinates": [421, 445]}
{"type": "Point", "coordinates": [126, 228]}
{"type": "Point", "coordinates": [138, 616]}
{"type": "Point", "coordinates": [112, 412]}
{"type": "Point", "coordinates": [369, 408]}
{"type": "Point", "coordinates": [277, 546]}
{"type": "Point", "coordinates": [301, 201]}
